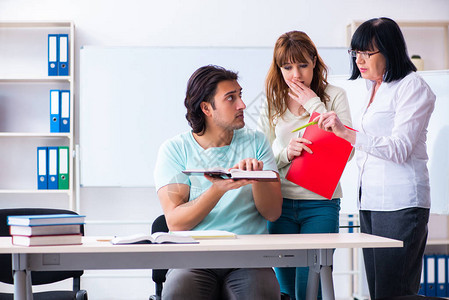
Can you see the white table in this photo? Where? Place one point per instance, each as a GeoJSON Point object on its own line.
{"type": "Point", "coordinates": [250, 251]}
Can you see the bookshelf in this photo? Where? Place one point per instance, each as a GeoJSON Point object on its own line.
{"type": "Point", "coordinates": [24, 109]}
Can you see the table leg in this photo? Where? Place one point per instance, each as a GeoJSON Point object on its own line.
{"type": "Point", "coordinates": [29, 285]}
{"type": "Point", "coordinates": [22, 278]}
{"type": "Point", "coordinates": [20, 290]}
{"type": "Point", "coordinates": [320, 266]}
{"type": "Point", "coordinates": [327, 285]}
{"type": "Point", "coordinates": [312, 283]}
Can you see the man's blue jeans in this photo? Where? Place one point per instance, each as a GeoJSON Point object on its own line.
{"type": "Point", "coordinates": [303, 216]}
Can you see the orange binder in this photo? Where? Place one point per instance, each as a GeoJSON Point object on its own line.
{"type": "Point", "coordinates": [320, 171]}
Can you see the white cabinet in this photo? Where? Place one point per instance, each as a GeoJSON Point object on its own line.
{"type": "Point", "coordinates": [25, 111]}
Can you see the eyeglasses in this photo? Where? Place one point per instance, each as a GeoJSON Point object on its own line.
{"type": "Point", "coordinates": [364, 55]}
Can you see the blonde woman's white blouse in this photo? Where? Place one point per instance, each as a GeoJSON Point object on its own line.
{"type": "Point", "coordinates": [280, 136]}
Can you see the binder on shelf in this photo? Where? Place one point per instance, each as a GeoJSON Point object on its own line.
{"type": "Point", "coordinates": [63, 55]}
{"type": "Point", "coordinates": [55, 104]}
{"type": "Point", "coordinates": [63, 168]}
{"type": "Point", "coordinates": [64, 125]}
{"type": "Point", "coordinates": [53, 55]}
{"type": "Point", "coordinates": [441, 275]}
{"type": "Point", "coordinates": [447, 275]}
{"type": "Point", "coordinates": [429, 275]}
{"type": "Point", "coordinates": [42, 166]}
{"type": "Point", "coordinates": [350, 224]}
{"type": "Point", "coordinates": [52, 168]}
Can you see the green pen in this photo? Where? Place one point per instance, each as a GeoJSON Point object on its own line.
{"type": "Point", "coordinates": [304, 126]}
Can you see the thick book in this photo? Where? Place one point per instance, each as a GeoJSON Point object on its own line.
{"type": "Point", "coordinates": [47, 240]}
{"type": "Point", "coordinates": [320, 171]}
{"type": "Point", "coordinates": [207, 234]}
{"type": "Point", "coordinates": [155, 238]}
{"type": "Point", "coordinates": [56, 219]}
{"type": "Point", "coordinates": [45, 229]}
{"type": "Point", "coordinates": [265, 175]}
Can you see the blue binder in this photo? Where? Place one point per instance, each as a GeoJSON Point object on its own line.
{"type": "Point", "coordinates": [441, 275]}
{"type": "Point", "coordinates": [63, 54]}
{"type": "Point", "coordinates": [55, 104]}
{"type": "Point", "coordinates": [42, 165]}
{"type": "Point", "coordinates": [350, 224]}
{"type": "Point", "coordinates": [53, 55]}
{"type": "Point", "coordinates": [64, 125]}
{"type": "Point", "coordinates": [52, 168]}
{"type": "Point", "coordinates": [447, 275]}
{"type": "Point", "coordinates": [429, 274]}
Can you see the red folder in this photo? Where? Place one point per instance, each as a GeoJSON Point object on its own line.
{"type": "Point", "coordinates": [320, 171]}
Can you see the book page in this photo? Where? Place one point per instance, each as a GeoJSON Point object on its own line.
{"type": "Point", "coordinates": [132, 239]}
{"type": "Point", "coordinates": [167, 237]}
{"type": "Point", "coordinates": [206, 234]}
{"type": "Point", "coordinates": [237, 173]}
{"type": "Point", "coordinates": [155, 238]}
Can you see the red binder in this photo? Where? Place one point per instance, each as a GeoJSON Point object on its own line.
{"type": "Point", "coordinates": [320, 171]}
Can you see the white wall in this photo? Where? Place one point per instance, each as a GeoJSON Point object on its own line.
{"type": "Point", "coordinates": [201, 23]}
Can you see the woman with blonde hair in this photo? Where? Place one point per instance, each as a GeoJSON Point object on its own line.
{"type": "Point", "coordinates": [296, 86]}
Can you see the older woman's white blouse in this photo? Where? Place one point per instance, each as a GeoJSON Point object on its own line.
{"type": "Point", "coordinates": [391, 145]}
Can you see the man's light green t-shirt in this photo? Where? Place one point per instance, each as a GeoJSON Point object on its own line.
{"type": "Point", "coordinates": [236, 210]}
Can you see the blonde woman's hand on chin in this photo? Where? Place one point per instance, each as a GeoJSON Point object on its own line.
{"type": "Point", "coordinates": [300, 92]}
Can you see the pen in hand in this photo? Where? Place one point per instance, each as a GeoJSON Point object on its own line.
{"type": "Point", "coordinates": [306, 125]}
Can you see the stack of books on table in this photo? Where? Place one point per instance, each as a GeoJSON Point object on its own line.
{"type": "Point", "coordinates": [40, 230]}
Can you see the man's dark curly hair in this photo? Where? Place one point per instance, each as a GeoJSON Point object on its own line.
{"type": "Point", "coordinates": [202, 87]}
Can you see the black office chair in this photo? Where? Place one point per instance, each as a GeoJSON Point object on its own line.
{"type": "Point", "coordinates": [38, 277]}
{"type": "Point", "coordinates": [160, 225]}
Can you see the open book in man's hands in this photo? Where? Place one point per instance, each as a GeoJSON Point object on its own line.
{"type": "Point", "coordinates": [155, 238]}
{"type": "Point", "coordinates": [265, 175]}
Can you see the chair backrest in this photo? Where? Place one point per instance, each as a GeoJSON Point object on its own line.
{"type": "Point", "coordinates": [37, 277]}
{"type": "Point", "coordinates": [159, 225]}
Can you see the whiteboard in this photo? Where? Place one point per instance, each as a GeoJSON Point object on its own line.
{"type": "Point", "coordinates": [132, 99]}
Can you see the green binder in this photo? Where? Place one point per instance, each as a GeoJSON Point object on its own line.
{"type": "Point", "coordinates": [63, 172]}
